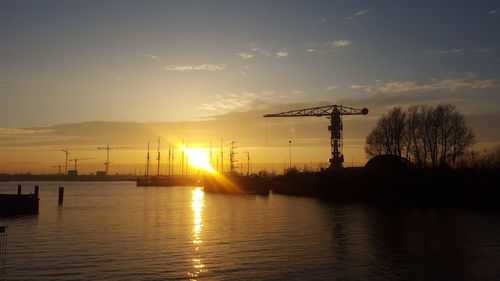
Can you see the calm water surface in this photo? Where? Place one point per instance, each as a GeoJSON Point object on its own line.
{"type": "Point", "coordinates": [116, 231]}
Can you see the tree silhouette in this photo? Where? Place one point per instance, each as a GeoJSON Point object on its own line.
{"type": "Point", "coordinates": [428, 136]}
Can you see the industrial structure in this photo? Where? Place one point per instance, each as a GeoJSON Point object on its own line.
{"type": "Point", "coordinates": [66, 151]}
{"type": "Point", "coordinates": [334, 113]}
{"type": "Point", "coordinates": [108, 148]}
{"type": "Point", "coordinates": [75, 172]}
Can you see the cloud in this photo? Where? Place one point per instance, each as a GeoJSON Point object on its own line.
{"type": "Point", "coordinates": [243, 101]}
{"type": "Point", "coordinates": [361, 87]}
{"type": "Point", "coordinates": [154, 57]}
{"type": "Point", "coordinates": [445, 52]}
{"type": "Point", "coordinates": [482, 50]}
{"type": "Point", "coordinates": [494, 12]}
{"type": "Point", "coordinates": [256, 49]}
{"type": "Point", "coordinates": [311, 50]}
{"type": "Point", "coordinates": [16, 131]}
{"type": "Point", "coordinates": [281, 53]}
{"type": "Point", "coordinates": [198, 67]}
{"type": "Point", "coordinates": [469, 82]}
{"type": "Point", "coordinates": [337, 44]}
{"type": "Point", "coordinates": [332, 87]}
{"type": "Point", "coordinates": [356, 15]}
{"type": "Point", "coordinates": [245, 56]}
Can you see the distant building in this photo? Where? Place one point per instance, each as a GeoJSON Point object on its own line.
{"type": "Point", "coordinates": [100, 173]}
{"type": "Point", "coordinates": [72, 173]}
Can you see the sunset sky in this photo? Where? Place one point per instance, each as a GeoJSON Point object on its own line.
{"type": "Point", "coordinates": [83, 74]}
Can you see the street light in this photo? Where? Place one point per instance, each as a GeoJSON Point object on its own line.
{"type": "Point", "coordinates": [290, 152]}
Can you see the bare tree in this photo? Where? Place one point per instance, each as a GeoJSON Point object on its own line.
{"type": "Point", "coordinates": [389, 135]}
{"type": "Point", "coordinates": [426, 135]}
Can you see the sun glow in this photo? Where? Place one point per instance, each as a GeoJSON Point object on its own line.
{"type": "Point", "coordinates": [199, 159]}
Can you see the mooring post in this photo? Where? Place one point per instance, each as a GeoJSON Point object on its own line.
{"type": "Point", "coordinates": [61, 195]}
{"type": "Point", "coordinates": [18, 189]}
{"type": "Point", "coordinates": [36, 191]}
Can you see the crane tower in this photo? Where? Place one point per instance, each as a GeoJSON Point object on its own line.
{"type": "Point", "coordinates": [334, 113]}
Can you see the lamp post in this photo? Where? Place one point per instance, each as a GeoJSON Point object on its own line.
{"type": "Point", "coordinates": [290, 153]}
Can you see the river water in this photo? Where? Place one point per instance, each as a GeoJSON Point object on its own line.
{"type": "Point", "coordinates": [116, 231]}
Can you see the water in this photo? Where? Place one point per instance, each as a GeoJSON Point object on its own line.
{"type": "Point", "coordinates": [116, 231]}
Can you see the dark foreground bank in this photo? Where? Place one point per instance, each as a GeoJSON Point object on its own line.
{"type": "Point", "coordinates": [420, 187]}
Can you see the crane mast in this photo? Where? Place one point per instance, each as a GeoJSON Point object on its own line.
{"type": "Point", "coordinates": [334, 113]}
{"type": "Point", "coordinates": [108, 148]}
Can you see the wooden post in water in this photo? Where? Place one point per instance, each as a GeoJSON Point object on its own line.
{"type": "Point", "coordinates": [61, 195]}
{"type": "Point", "coordinates": [19, 189]}
{"type": "Point", "coordinates": [36, 191]}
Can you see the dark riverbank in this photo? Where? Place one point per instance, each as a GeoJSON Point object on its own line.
{"type": "Point", "coordinates": [27, 177]}
{"type": "Point", "coordinates": [424, 187]}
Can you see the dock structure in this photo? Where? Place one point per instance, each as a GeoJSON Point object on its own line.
{"type": "Point", "coordinates": [19, 204]}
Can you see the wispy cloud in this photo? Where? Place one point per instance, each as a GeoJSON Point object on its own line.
{"type": "Point", "coordinates": [153, 57]}
{"type": "Point", "coordinates": [16, 131]}
{"type": "Point", "coordinates": [281, 53]}
{"type": "Point", "coordinates": [245, 56]}
{"type": "Point", "coordinates": [356, 15]}
{"type": "Point", "coordinates": [256, 49]}
{"type": "Point", "coordinates": [337, 44]}
{"type": "Point", "coordinates": [198, 67]}
{"type": "Point", "coordinates": [494, 12]}
{"type": "Point", "coordinates": [361, 87]}
{"type": "Point", "coordinates": [334, 45]}
{"type": "Point", "coordinates": [243, 101]}
{"type": "Point", "coordinates": [445, 52]}
{"type": "Point", "coordinates": [469, 82]}
{"type": "Point", "coordinates": [332, 87]}
{"type": "Point", "coordinates": [482, 50]}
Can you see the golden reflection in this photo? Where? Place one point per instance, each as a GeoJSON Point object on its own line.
{"type": "Point", "coordinates": [218, 183]}
{"type": "Point", "coordinates": [197, 204]}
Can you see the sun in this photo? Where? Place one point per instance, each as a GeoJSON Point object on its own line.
{"type": "Point", "coordinates": [199, 159]}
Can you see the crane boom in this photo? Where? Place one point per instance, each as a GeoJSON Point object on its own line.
{"type": "Point", "coordinates": [334, 113]}
{"type": "Point", "coordinates": [321, 111]}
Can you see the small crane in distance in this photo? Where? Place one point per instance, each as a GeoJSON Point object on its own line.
{"type": "Point", "coordinates": [334, 113]}
{"type": "Point", "coordinates": [108, 148]}
{"type": "Point", "coordinates": [79, 159]}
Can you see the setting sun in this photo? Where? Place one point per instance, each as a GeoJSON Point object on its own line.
{"type": "Point", "coordinates": [199, 159]}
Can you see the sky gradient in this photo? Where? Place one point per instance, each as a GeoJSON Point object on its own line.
{"type": "Point", "coordinates": [205, 62]}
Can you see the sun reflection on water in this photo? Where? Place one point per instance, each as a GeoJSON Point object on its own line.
{"type": "Point", "coordinates": [197, 204]}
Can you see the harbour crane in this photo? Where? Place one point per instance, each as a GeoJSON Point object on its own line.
{"type": "Point", "coordinates": [78, 159]}
{"type": "Point", "coordinates": [108, 148]}
{"type": "Point", "coordinates": [66, 151]}
{"type": "Point", "coordinates": [58, 169]}
{"type": "Point", "coordinates": [334, 113]}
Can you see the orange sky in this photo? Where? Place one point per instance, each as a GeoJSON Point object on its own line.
{"type": "Point", "coordinates": [37, 149]}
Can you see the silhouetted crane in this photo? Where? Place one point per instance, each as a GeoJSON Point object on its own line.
{"type": "Point", "coordinates": [108, 148]}
{"type": "Point", "coordinates": [58, 169]}
{"type": "Point", "coordinates": [66, 151]}
{"type": "Point", "coordinates": [78, 159]}
{"type": "Point", "coordinates": [334, 113]}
